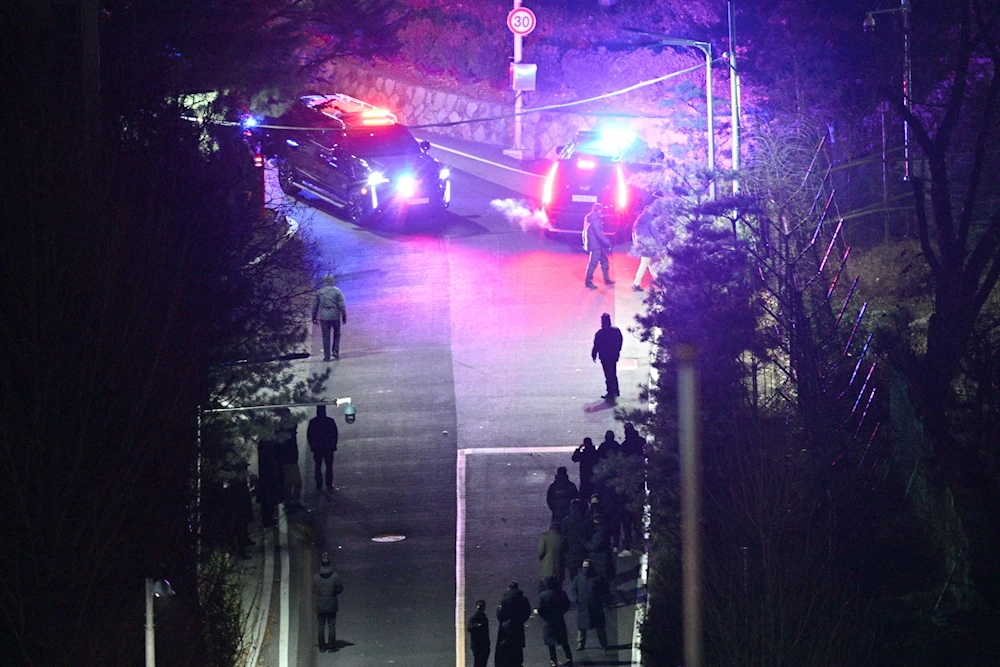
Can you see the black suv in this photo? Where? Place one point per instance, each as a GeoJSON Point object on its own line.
{"type": "Point", "coordinates": [355, 156]}
{"type": "Point", "coordinates": [588, 170]}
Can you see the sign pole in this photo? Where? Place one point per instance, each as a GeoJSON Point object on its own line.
{"type": "Point", "coordinates": [518, 94]}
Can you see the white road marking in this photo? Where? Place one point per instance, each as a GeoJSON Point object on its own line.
{"type": "Point", "coordinates": [485, 161]}
{"type": "Point", "coordinates": [460, 531]}
{"type": "Point", "coordinates": [257, 637]}
{"type": "Point", "coordinates": [284, 590]}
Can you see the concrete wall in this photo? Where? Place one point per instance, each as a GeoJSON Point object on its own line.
{"type": "Point", "coordinates": [417, 105]}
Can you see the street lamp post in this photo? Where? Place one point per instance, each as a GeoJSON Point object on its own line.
{"type": "Point", "coordinates": [869, 24]}
{"type": "Point", "coordinates": [154, 588]}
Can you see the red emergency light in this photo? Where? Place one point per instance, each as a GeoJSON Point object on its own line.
{"type": "Point", "coordinates": [549, 186]}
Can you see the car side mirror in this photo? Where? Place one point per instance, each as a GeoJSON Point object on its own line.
{"type": "Point", "coordinates": [425, 145]}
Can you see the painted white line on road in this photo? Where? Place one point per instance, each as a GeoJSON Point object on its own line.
{"type": "Point", "coordinates": [264, 604]}
{"type": "Point", "coordinates": [460, 531]}
{"type": "Point", "coordinates": [485, 161]}
{"type": "Point", "coordinates": [284, 590]}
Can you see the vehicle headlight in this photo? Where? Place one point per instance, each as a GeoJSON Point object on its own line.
{"type": "Point", "coordinates": [406, 186]}
{"type": "Point", "coordinates": [377, 178]}
{"type": "Point", "coordinates": [444, 173]}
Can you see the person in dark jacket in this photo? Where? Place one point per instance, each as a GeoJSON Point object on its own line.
{"type": "Point", "coordinates": [609, 447]}
{"type": "Point", "coordinates": [287, 453]}
{"type": "Point", "coordinates": [512, 613]}
{"type": "Point", "coordinates": [599, 551]}
{"type": "Point", "coordinates": [479, 635]}
{"type": "Point", "coordinates": [586, 456]}
{"type": "Point", "coordinates": [610, 504]}
{"type": "Point", "coordinates": [553, 603]}
{"type": "Point", "coordinates": [576, 528]}
{"type": "Point", "coordinates": [597, 244]}
{"type": "Point", "coordinates": [561, 492]}
{"type": "Point", "coordinates": [551, 556]}
{"type": "Point", "coordinates": [608, 346]}
{"type": "Point", "coordinates": [590, 591]}
{"type": "Point", "coordinates": [268, 480]}
{"type": "Point", "coordinates": [321, 435]}
{"type": "Point", "coordinates": [633, 444]}
{"type": "Point", "coordinates": [326, 587]}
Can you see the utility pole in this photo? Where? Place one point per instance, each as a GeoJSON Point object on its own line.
{"type": "Point", "coordinates": [734, 96]}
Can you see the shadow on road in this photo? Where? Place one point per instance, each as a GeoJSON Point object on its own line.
{"type": "Point", "coordinates": [597, 407]}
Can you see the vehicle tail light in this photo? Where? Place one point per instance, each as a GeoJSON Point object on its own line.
{"type": "Point", "coordinates": [622, 198]}
{"type": "Point", "coordinates": [586, 164]}
{"type": "Point", "coordinates": [550, 183]}
{"type": "Point", "coordinates": [258, 160]}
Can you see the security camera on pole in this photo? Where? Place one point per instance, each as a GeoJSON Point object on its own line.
{"type": "Point", "coordinates": [520, 21]}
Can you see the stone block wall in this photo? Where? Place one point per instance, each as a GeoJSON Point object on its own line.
{"type": "Point", "coordinates": [448, 113]}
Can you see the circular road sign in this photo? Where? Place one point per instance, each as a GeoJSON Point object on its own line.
{"type": "Point", "coordinates": [521, 21]}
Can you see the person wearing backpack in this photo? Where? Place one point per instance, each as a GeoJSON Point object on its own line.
{"type": "Point", "coordinates": [330, 310]}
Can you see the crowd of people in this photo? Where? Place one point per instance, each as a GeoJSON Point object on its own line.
{"type": "Point", "coordinates": [589, 526]}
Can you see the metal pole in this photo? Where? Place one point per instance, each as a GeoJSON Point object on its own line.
{"type": "Point", "coordinates": [150, 629]}
{"type": "Point", "coordinates": [907, 86]}
{"type": "Point", "coordinates": [690, 445]}
{"type": "Point", "coordinates": [734, 96]}
{"type": "Point", "coordinates": [711, 118]}
{"type": "Point", "coordinates": [518, 94]}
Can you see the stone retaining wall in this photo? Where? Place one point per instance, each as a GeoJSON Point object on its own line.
{"type": "Point", "coordinates": [418, 105]}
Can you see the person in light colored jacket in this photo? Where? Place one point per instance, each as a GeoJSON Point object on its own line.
{"type": "Point", "coordinates": [330, 310]}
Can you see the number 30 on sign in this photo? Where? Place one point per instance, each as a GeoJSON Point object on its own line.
{"type": "Point", "coordinates": [521, 21]}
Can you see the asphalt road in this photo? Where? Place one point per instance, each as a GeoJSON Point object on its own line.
{"type": "Point", "coordinates": [467, 355]}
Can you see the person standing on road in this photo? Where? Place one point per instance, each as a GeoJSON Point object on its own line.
{"type": "Point", "coordinates": [269, 487]}
{"type": "Point", "coordinates": [512, 613]}
{"type": "Point", "coordinates": [321, 435]}
{"type": "Point", "coordinates": [553, 603]}
{"type": "Point", "coordinates": [608, 345]}
{"type": "Point", "coordinates": [586, 456]}
{"type": "Point", "coordinates": [479, 635]}
{"type": "Point", "coordinates": [590, 591]}
{"type": "Point", "coordinates": [561, 492]}
{"type": "Point", "coordinates": [599, 553]}
{"type": "Point", "coordinates": [642, 245]}
{"type": "Point", "coordinates": [576, 529]}
{"type": "Point", "coordinates": [326, 587]}
{"type": "Point", "coordinates": [287, 451]}
{"type": "Point", "coordinates": [330, 310]}
{"type": "Point", "coordinates": [551, 556]}
{"type": "Point", "coordinates": [597, 244]}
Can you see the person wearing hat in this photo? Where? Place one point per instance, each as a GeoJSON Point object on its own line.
{"type": "Point", "coordinates": [512, 613]}
{"type": "Point", "coordinates": [327, 586]}
{"type": "Point", "coordinates": [590, 591]}
{"type": "Point", "coordinates": [597, 244]}
{"type": "Point", "coordinates": [330, 310]}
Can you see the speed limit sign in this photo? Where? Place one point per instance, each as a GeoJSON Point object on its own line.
{"type": "Point", "coordinates": [521, 21]}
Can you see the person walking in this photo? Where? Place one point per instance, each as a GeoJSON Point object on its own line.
{"type": "Point", "coordinates": [551, 555]}
{"type": "Point", "coordinates": [586, 456]}
{"type": "Point", "coordinates": [512, 613]}
{"type": "Point", "coordinates": [597, 244]}
{"type": "Point", "coordinates": [576, 529]}
{"type": "Point", "coordinates": [643, 246]}
{"type": "Point", "coordinates": [287, 452]}
{"type": "Point", "coordinates": [479, 635]}
{"type": "Point", "coordinates": [590, 590]}
{"type": "Point", "coordinates": [321, 434]}
{"type": "Point", "coordinates": [608, 345]}
{"type": "Point", "coordinates": [553, 603]}
{"type": "Point", "coordinates": [561, 492]}
{"type": "Point", "coordinates": [326, 587]}
{"type": "Point", "coordinates": [330, 310]}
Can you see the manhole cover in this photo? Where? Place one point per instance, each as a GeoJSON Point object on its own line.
{"type": "Point", "coordinates": [388, 538]}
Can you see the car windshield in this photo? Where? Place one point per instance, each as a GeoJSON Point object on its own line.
{"type": "Point", "coordinates": [380, 141]}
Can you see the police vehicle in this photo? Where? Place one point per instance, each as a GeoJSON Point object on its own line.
{"type": "Point", "coordinates": [356, 156]}
{"type": "Point", "coordinates": [590, 169]}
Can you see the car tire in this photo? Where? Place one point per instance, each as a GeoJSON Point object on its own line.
{"type": "Point", "coordinates": [287, 177]}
